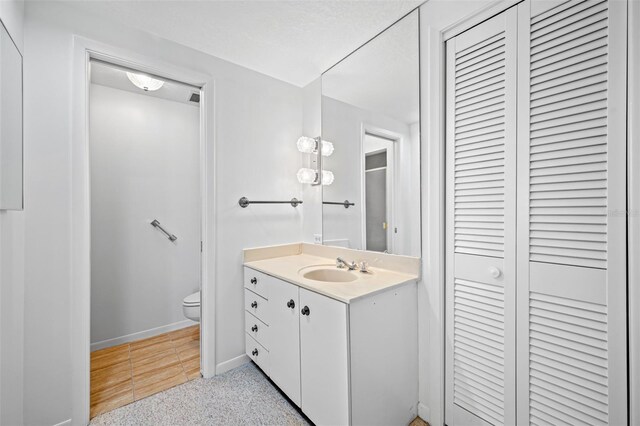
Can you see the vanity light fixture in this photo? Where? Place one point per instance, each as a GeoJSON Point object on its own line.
{"type": "Point", "coordinates": [309, 145]}
{"type": "Point", "coordinates": [315, 176]}
{"type": "Point", "coordinates": [146, 83]}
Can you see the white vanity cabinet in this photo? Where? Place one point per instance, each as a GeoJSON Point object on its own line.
{"type": "Point", "coordinates": [341, 363]}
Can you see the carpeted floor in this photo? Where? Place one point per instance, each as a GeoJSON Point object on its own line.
{"type": "Point", "coordinates": [242, 396]}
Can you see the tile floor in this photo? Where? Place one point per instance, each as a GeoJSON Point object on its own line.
{"type": "Point", "coordinates": [126, 373]}
{"type": "Point", "coordinates": [243, 396]}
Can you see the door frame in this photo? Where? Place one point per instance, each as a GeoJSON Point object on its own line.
{"type": "Point", "coordinates": [633, 205]}
{"type": "Point", "coordinates": [394, 138]}
{"type": "Point", "coordinates": [84, 50]}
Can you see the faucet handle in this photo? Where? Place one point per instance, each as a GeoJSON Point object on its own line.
{"type": "Point", "coordinates": [340, 263]}
{"type": "Point", "coordinates": [364, 266]}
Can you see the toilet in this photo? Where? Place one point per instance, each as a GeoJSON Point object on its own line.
{"type": "Point", "coordinates": [191, 306]}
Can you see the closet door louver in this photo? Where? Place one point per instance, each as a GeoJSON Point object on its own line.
{"type": "Point", "coordinates": [481, 160]}
{"type": "Point", "coordinates": [571, 203]}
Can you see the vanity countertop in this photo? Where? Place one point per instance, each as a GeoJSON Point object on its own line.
{"type": "Point", "coordinates": [287, 268]}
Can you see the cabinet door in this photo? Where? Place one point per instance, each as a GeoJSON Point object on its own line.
{"type": "Point", "coordinates": [571, 206]}
{"type": "Point", "coordinates": [284, 338]}
{"type": "Point", "coordinates": [481, 227]}
{"type": "Point", "coordinates": [324, 359]}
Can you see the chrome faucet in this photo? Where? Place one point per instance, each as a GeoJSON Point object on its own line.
{"type": "Point", "coordinates": [341, 263]}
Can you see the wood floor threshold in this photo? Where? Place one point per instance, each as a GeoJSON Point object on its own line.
{"type": "Point", "coordinates": [129, 372]}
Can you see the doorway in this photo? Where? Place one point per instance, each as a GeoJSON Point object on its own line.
{"type": "Point", "coordinates": [144, 151]}
{"type": "Point", "coordinates": [378, 192]}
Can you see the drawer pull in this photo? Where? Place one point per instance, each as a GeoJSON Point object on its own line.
{"type": "Point", "coordinates": [254, 281]}
{"type": "Point", "coordinates": [254, 328]}
{"type": "Point", "coordinates": [254, 304]}
{"type": "Point", "coordinates": [305, 311]}
{"type": "Point", "coordinates": [291, 304]}
{"type": "Point", "coordinates": [255, 352]}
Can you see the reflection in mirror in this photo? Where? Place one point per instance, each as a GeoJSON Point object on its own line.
{"type": "Point", "coordinates": [10, 123]}
{"type": "Point", "coordinates": [371, 113]}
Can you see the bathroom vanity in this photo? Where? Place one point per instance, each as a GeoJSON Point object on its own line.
{"type": "Point", "coordinates": [340, 343]}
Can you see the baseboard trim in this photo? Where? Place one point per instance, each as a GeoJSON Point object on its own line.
{"type": "Point", "coordinates": [141, 334]}
{"type": "Point", "coordinates": [424, 412]}
{"type": "Point", "coordinates": [236, 362]}
{"type": "Point", "coordinates": [64, 423]}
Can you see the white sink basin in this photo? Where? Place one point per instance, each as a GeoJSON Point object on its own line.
{"type": "Point", "coordinates": [327, 274]}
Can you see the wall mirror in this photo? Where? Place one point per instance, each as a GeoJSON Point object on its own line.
{"type": "Point", "coordinates": [371, 115]}
{"type": "Point", "coordinates": [10, 123]}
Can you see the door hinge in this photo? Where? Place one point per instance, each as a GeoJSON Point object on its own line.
{"type": "Point", "coordinates": [200, 246]}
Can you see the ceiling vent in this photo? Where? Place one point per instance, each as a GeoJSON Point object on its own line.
{"type": "Point", "coordinates": [195, 97]}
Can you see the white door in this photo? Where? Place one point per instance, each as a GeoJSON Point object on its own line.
{"type": "Point", "coordinates": [284, 338]}
{"type": "Point", "coordinates": [481, 227]}
{"type": "Point", "coordinates": [379, 224]}
{"type": "Point", "coordinates": [324, 359]}
{"type": "Point", "coordinates": [571, 203]}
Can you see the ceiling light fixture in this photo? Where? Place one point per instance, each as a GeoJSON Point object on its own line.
{"type": "Point", "coordinates": [146, 83]}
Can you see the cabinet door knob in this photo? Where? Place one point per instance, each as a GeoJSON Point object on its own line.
{"type": "Point", "coordinates": [254, 328]}
{"type": "Point", "coordinates": [254, 352]}
{"type": "Point", "coordinates": [495, 272]}
{"type": "Point", "coordinates": [254, 280]}
{"type": "Point", "coordinates": [291, 304]}
{"type": "Point", "coordinates": [305, 311]}
{"type": "Point", "coordinates": [254, 304]}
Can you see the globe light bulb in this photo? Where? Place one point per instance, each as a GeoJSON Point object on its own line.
{"type": "Point", "coordinates": [327, 148]}
{"type": "Point", "coordinates": [306, 144]}
{"type": "Point", "coordinates": [327, 177]}
{"type": "Point", "coordinates": [305, 175]}
{"type": "Point", "coordinates": [146, 83]}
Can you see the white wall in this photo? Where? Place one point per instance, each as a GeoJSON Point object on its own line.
{"type": "Point", "coordinates": [257, 120]}
{"type": "Point", "coordinates": [145, 165]}
{"type": "Point", "coordinates": [12, 274]}
{"type": "Point", "coordinates": [342, 125]}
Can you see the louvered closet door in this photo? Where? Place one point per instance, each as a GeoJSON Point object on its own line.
{"type": "Point", "coordinates": [481, 160]}
{"type": "Point", "coordinates": [571, 225]}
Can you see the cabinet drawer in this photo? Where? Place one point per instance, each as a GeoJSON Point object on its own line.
{"type": "Point", "coordinates": [256, 282]}
{"type": "Point", "coordinates": [256, 305]}
{"type": "Point", "coordinates": [257, 353]}
{"type": "Point", "coordinates": [256, 329]}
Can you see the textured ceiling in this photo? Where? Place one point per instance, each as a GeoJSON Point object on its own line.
{"type": "Point", "coordinates": [293, 41]}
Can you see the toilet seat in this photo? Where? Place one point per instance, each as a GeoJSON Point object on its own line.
{"type": "Point", "coordinates": [191, 306]}
{"type": "Point", "coordinates": [192, 299]}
